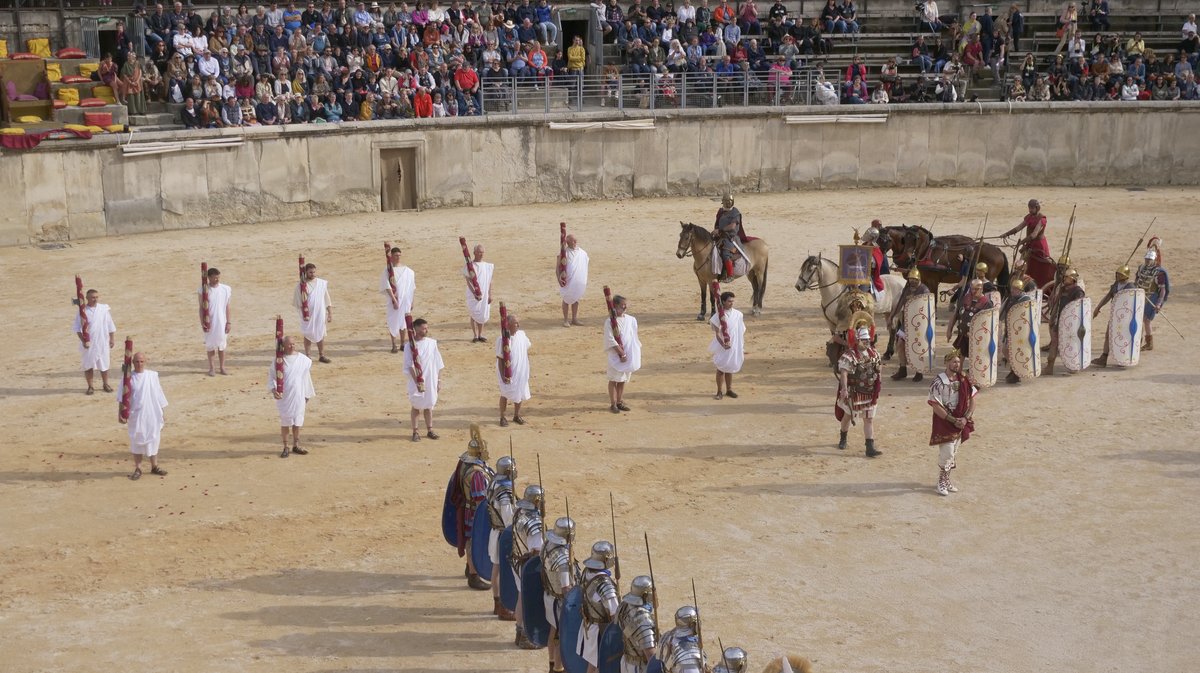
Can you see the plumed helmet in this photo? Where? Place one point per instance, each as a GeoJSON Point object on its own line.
{"type": "Point", "coordinates": [686, 617]}
{"type": "Point", "coordinates": [1017, 285]}
{"type": "Point", "coordinates": [603, 556]}
{"type": "Point", "coordinates": [1151, 255]}
{"type": "Point", "coordinates": [564, 527]}
{"type": "Point", "coordinates": [1064, 261]}
{"type": "Point", "coordinates": [727, 200]}
{"type": "Point", "coordinates": [477, 447]}
{"type": "Point", "coordinates": [913, 274]}
{"type": "Point", "coordinates": [1123, 273]}
{"type": "Point", "coordinates": [506, 467]}
{"type": "Point", "coordinates": [735, 659]}
{"type": "Point", "coordinates": [641, 586]}
{"type": "Point", "coordinates": [535, 495]}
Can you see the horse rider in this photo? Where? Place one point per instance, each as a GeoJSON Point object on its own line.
{"type": "Point", "coordinates": [1068, 292]}
{"type": "Point", "coordinates": [1017, 296]}
{"type": "Point", "coordinates": [973, 303]}
{"type": "Point", "coordinates": [1121, 283]}
{"type": "Point", "coordinates": [878, 263]}
{"type": "Point", "coordinates": [635, 616]}
{"type": "Point", "coordinates": [913, 288]}
{"type": "Point", "coordinates": [1153, 278]}
{"type": "Point", "coordinates": [729, 236]}
{"type": "Point", "coordinates": [1033, 246]}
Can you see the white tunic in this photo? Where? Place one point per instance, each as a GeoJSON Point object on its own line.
{"type": "Point", "coordinates": [577, 276]}
{"type": "Point", "coordinates": [617, 370]}
{"type": "Point", "coordinates": [517, 390]}
{"type": "Point", "coordinates": [100, 326]}
{"type": "Point", "coordinates": [297, 389]}
{"type": "Point", "coordinates": [146, 406]}
{"type": "Point", "coordinates": [406, 288]}
{"type": "Point", "coordinates": [480, 309]}
{"type": "Point", "coordinates": [313, 329]}
{"type": "Point", "coordinates": [215, 339]}
{"type": "Point", "coordinates": [431, 365]}
{"type": "Point", "coordinates": [729, 360]}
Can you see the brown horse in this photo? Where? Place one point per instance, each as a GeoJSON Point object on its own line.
{"type": "Point", "coordinates": [943, 258]}
{"type": "Point", "coordinates": [697, 242]}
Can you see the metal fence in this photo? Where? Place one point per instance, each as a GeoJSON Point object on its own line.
{"type": "Point", "coordinates": [646, 91]}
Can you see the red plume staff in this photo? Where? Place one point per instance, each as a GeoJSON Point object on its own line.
{"type": "Point", "coordinates": [204, 321]}
{"type": "Point", "coordinates": [562, 254]}
{"type": "Point", "coordinates": [416, 359]}
{"type": "Point", "coordinates": [505, 339]}
{"type": "Point", "coordinates": [279, 355]}
{"type": "Point", "coordinates": [472, 281]}
{"type": "Point", "coordinates": [126, 378]}
{"type": "Point", "coordinates": [612, 317]}
{"type": "Point", "coordinates": [391, 273]}
{"type": "Point", "coordinates": [716, 290]}
{"type": "Point", "coordinates": [81, 302]}
{"type": "Point", "coordinates": [304, 292]}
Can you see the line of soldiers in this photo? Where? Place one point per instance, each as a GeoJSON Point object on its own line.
{"type": "Point", "coordinates": [572, 609]}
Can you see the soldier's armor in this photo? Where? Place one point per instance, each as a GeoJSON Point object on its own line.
{"type": "Point", "coordinates": [680, 652]}
{"type": "Point", "coordinates": [499, 497]}
{"type": "Point", "coordinates": [527, 523]}
{"type": "Point", "coordinates": [864, 371]}
{"type": "Point", "coordinates": [728, 223]}
{"type": "Point", "coordinates": [556, 559]}
{"type": "Point", "coordinates": [597, 582]}
{"type": "Point", "coordinates": [469, 467]}
{"type": "Point", "coordinates": [1147, 278]}
{"type": "Point", "coordinates": [635, 617]}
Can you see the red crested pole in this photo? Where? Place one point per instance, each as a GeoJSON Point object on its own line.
{"type": "Point", "coordinates": [126, 379]}
{"type": "Point", "coordinates": [81, 301]}
{"type": "Point", "coordinates": [416, 359]}
{"type": "Point", "coordinates": [612, 317]}
{"type": "Point", "coordinates": [716, 291]}
{"type": "Point", "coordinates": [505, 344]}
{"type": "Point", "coordinates": [391, 275]}
{"type": "Point", "coordinates": [304, 291]}
{"type": "Point", "coordinates": [204, 320]}
{"type": "Point", "coordinates": [562, 254]}
{"type": "Point", "coordinates": [279, 355]}
{"type": "Point", "coordinates": [472, 281]}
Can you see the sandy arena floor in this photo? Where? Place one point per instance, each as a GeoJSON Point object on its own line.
{"type": "Point", "coordinates": [1071, 547]}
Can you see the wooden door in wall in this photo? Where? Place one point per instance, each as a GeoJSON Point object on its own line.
{"type": "Point", "coordinates": [399, 179]}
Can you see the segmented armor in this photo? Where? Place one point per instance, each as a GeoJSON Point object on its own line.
{"type": "Point", "coordinates": [527, 533]}
{"type": "Point", "coordinates": [556, 560]}
{"type": "Point", "coordinates": [599, 593]}
{"type": "Point", "coordinates": [501, 503]}
{"type": "Point", "coordinates": [680, 652]}
{"type": "Point", "coordinates": [636, 618]}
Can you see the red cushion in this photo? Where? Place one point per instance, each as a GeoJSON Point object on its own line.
{"type": "Point", "coordinates": [97, 119]}
{"type": "Point", "coordinates": [23, 56]}
{"type": "Point", "coordinates": [93, 102]}
{"type": "Point", "coordinates": [71, 52]}
{"type": "Point", "coordinates": [60, 104]}
{"type": "Point", "coordinates": [75, 79]}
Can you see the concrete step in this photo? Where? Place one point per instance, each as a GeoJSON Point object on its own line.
{"type": "Point", "coordinates": [152, 119]}
{"type": "Point", "coordinates": [74, 114]}
{"type": "Point", "coordinates": [155, 129]}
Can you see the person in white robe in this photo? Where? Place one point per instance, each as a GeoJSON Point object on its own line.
{"type": "Point", "coordinates": [297, 391]}
{"type": "Point", "coordinates": [99, 340]}
{"type": "Point", "coordinates": [145, 422]}
{"type": "Point", "coordinates": [480, 309]}
{"type": "Point", "coordinates": [728, 355]}
{"type": "Point", "coordinates": [398, 301]}
{"type": "Point", "coordinates": [424, 397]}
{"type": "Point", "coordinates": [572, 287]}
{"type": "Point", "coordinates": [516, 390]}
{"type": "Point", "coordinates": [216, 337]}
{"type": "Point", "coordinates": [624, 358]}
{"type": "Point", "coordinates": [320, 311]}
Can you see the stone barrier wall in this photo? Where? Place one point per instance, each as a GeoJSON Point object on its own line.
{"type": "Point", "coordinates": [77, 189]}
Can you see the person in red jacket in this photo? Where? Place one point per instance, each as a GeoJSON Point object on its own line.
{"type": "Point", "coordinates": [422, 103]}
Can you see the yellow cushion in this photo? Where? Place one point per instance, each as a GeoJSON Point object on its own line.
{"type": "Point", "coordinates": [54, 71]}
{"type": "Point", "coordinates": [94, 129]}
{"type": "Point", "coordinates": [29, 119]}
{"type": "Point", "coordinates": [86, 69]}
{"type": "Point", "coordinates": [115, 128]}
{"type": "Point", "coordinates": [68, 95]}
{"type": "Point", "coordinates": [4, 54]}
{"type": "Point", "coordinates": [39, 46]}
{"type": "Point", "coordinates": [12, 132]}
{"type": "Point", "coordinates": [75, 127]}
{"type": "Point", "coordinates": [102, 91]}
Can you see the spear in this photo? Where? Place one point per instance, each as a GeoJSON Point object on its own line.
{"type": "Point", "coordinates": [724, 661]}
{"type": "Point", "coordinates": [653, 583]}
{"type": "Point", "coordinates": [1139, 243]}
{"type": "Point", "coordinates": [570, 545]}
{"type": "Point", "coordinates": [696, 604]}
{"type": "Point", "coordinates": [540, 482]}
{"type": "Point", "coordinates": [613, 513]}
{"type": "Point", "coordinates": [1070, 232]}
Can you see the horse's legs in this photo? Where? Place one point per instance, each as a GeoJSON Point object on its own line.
{"type": "Point", "coordinates": [703, 302]}
{"type": "Point", "coordinates": [891, 347]}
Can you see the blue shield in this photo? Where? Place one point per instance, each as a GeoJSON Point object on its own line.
{"type": "Point", "coordinates": [508, 583]}
{"type": "Point", "coordinates": [570, 621]}
{"type": "Point", "coordinates": [480, 532]}
{"type": "Point", "coordinates": [612, 646]}
{"type": "Point", "coordinates": [533, 608]}
{"type": "Point", "coordinates": [655, 666]}
{"type": "Point", "coordinates": [450, 514]}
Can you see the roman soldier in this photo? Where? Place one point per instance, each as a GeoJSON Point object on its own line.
{"type": "Point", "coordinates": [973, 303]}
{"type": "Point", "coordinates": [878, 262]}
{"type": "Point", "coordinates": [1016, 297]}
{"type": "Point", "coordinates": [729, 235]}
{"type": "Point", "coordinates": [733, 660]}
{"type": "Point", "coordinates": [679, 649]}
{"type": "Point", "coordinates": [472, 478]}
{"type": "Point", "coordinates": [952, 398]}
{"type": "Point", "coordinates": [1153, 278]}
{"type": "Point", "coordinates": [1068, 291]}
{"type": "Point", "coordinates": [980, 272]}
{"type": "Point", "coordinates": [600, 600]}
{"type": "Point", "coordinates": [501, 504]}
{"type": "Point", "coordinates": [558, 577]}
{"type": "Point", "coordinates": [1033, 247]}
{"type": "Point", "coordinates": [635, 616]}
{"type": "Point", "coordinates": [859, 383]}
{"type": "Point", "coordinates": [913, 288]}
{"type": "Point", "coordinates": [1122, 282]}
{"type": "Point", "coordinates": [527, 542]}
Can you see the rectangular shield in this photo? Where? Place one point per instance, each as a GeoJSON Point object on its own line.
{"type": "Point", "coordinates": [1024, 342]}
{"type": "Point", "coordinates": [920, 335]}
{"type": "Point", "coordinates": [1126, 324]}
{"type": "Point", "coordinates": [1075, 335]}
{"type": "Point", "coordinates": [983, 360]}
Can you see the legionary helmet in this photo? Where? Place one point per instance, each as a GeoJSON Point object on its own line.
{"type": "Point", "coordinates": [1123, 273]}
{"type": "Point", "coordinates": [1071, 273]}
{"type": "Point", "coordinates": [686, 617]}
{"type": "Point", "coordinates": [870, 235]}
{"type": "Point", "coordinates": [1017, 285]}
{"type": "Point", "coordinates": [981, 267]}
{"type": "Point", "coordinates": [642, 586]}
{"type": "Point", "coordinates": [735, 659]}
{"type": "Point", "coordinates": [913, 274]}
{"type": "Point", "coordinates": [1151, 255]}
{"type": "Point", "coordinates": [506, 467]}
{"type": "Point", "coordinates": [1064, 261]}
{"type": "Point", "coordinates": [535, 495]}
{"type": "Point", "coordinates": [603, 556]}
{"type": "Point", "coordinates": [477, 447]}
{"type": "Point", "coordinates": [565, 528]}
{"type": "Point", "coordinates": [727, 200]}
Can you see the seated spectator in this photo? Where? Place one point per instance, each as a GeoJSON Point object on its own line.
{"type": "Point", "coordinates": [825, 92]}
{"type": "Point", "coordinates": [422, 103]}
{"type": "Point", "coordinates": [732, 35]}
{"type": "Point", "coordinates": [848, 13]}
{"type": "Point", "coordinates": [677, 58]}
{"type": "Point", "coordinates": [856, 92]}
{"type": "Point", "coordinates": [879, 96]}
{"type": "Point", "coordinates": [189, 115]}
{"type": "Point", "coordinates": [1098, 15]}
{"type": "Point", "coordinates": [748, 18]}
{"type": "Point", "coordinates": [333, 109]}
{"type": "Point", "coordinates": [855, 69]}
{"type": "Point", "coordinates": [638, 59]}
{"type": "Point", "coordinates": [1040, 91]}
{"type": "Point", "coordinates": [921, 56]}
{"type": "Point", "coordinates": [972, 57]}
{"type": "Point", "coordinates": [779, 79]}
{"type": "Point", "coordinates": [1016, 91]}
{"type": "Point", "coordinates": [1029, 71]}
{"type": "Point", "coordinates": [930, 19]}
{"type": "Point", "coordinates": [1130, 90]}
{"type": "Point", "coordinates": [889, 75]}
{"type": "Point", "coordinates": [790, 53]}
{"type": "Point", "coordinates": [832, 19]}
{"type": "Point", "coordinates": [316, 109]}
{"type": "Point", "coordinates": [265, 111]}
{"type": "Point", "coordinates": [231, 113]}
{"type": "Point", "coordinates": [1135, 47]}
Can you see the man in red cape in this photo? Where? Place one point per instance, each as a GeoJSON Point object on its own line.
{"type": "Point", "coordinates": [953, 400]}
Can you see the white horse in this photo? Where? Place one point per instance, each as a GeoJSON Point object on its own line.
{"type": "Point", "coordinates": [819, 273]}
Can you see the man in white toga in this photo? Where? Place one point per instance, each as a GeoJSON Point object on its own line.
{"type": "Point", "coordinates": [297, 391]}
{"type": "Point", "coordinates": [423, 386]}
{"type": "Point", "coordinates": [624, 358]}
{"type": "Point", "coordinates": [145, 422]}
{"type": "Point", "coordinates": [516, 389]}
{"type": "Point", "coordinates": [95, 345]}
{"type": "Point", "coordinates": [216, 336]}
{"type": "Point", "coordinates": [398, 294]}
{"type": "Point", "coordinates": [316, 310]}
{"type": "Point", "coordinates": [573, 282]}
{"type": "Point", "coordinates": [479, 308]}
{"type": "Point", "coordinates": [728, 345]}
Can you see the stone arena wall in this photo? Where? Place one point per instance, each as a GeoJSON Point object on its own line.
{"type": "Point", "coordinates": [79, 189]}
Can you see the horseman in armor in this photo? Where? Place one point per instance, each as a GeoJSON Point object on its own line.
{"type": "Point", "coordinates": [730, 236]}
{"type": "Point", "coordinates": [878, 263]}
{"type": "Point", "coordinates": [1068, 291]}
{"type": "Point", "coordinates": [501, 504]}
{"type": "Point", "coordinates": [914, 288]}
{"type": "Point", "coordinates": [1122, 282]}
{"type": "Point", "coordinates": [1153, 278]}
{"type": "Point", "coordinates": [558, 577]}
{"type": "Point", "coordinates": [527, 542]}
{"type": "Point", "coordinates": [635, 616]}
{"type": "Point", "coordinates": [679, 650]}
{"type": "Point", "coordinates": [472, 478]}
{"type": "Point", "coordinates": [600, 601]}
{"type": "Point", "coordinates": [859, 385]}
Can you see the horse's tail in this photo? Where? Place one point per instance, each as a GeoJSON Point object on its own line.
{"type": "Point", "coordinates": [762, 288]}
{"type": "Point", "coordinates": [1004, 277]}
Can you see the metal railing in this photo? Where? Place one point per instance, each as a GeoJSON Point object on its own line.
{"type": "Point", "coordinates": [646, 91]}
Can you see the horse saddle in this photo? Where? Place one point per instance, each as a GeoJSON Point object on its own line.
{"type": "Point", "coordinates": [741, 261]}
